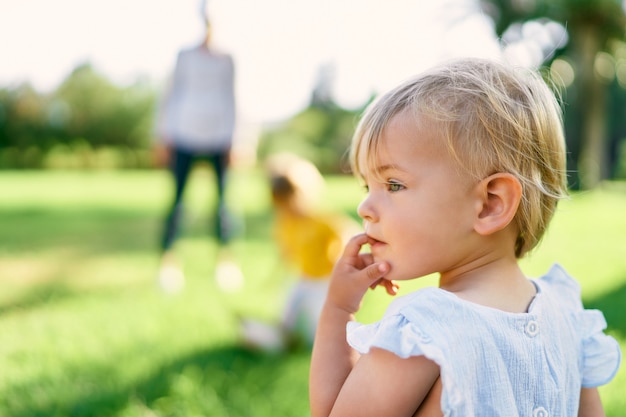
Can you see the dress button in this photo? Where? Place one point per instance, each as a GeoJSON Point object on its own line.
{"type": "Point", "coordinates": [540, 412]}
{"type": "Point", "coordinates": [532, 328]}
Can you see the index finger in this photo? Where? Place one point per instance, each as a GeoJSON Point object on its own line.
{"type": "Point", "coordinates": [354, 245]}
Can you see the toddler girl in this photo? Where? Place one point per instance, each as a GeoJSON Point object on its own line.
{"type": "Point", "coordinates": [464, 166]}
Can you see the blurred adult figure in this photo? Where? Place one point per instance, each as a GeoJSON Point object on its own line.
{"type": "Point", "coordinates": [196, 122]}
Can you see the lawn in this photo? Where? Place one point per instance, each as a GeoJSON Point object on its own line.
{"type": "Point", "coordinates": [85, 330]}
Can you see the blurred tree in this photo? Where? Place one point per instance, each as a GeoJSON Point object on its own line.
{"type": "Point", "coordinates": [320, 133]}
{"type": "Point", "coordinates": [84, 117]}
{"type": "Point", "coordinates": [593, 27]}
{"type": "Point", "coordinates": [22, 125]}
{"type": "Point", "coordinates": [617, 120]}
{"type": "Point", "coordinates": [93, 108]}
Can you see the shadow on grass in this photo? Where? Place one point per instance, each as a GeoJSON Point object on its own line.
{"type": "Point", "coordinates": [612, 305]}
{"type": "Point", "coordinates": [38, 229]}
{"type": "Point", "coordinates": [230, 381]}
{"type": "Point", "coordinates": [95, 230]}
{"type": "Point", "coordinates": [39, 295]}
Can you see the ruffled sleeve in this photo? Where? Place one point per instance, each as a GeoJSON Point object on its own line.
{"type": "Point", "coordinates": [413, 325]}
{"type": "Point", "coordinates": [421, 324]}
{"type": "Point", "coordinates": [394, 334]}
{"type": "Point", "coordinates": [601, 353]}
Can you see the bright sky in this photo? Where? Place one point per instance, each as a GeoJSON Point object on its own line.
{"type": "Point", "coordinates": [279, 46]}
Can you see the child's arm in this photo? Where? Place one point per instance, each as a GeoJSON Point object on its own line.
{"type": "Point", "coordinates": [332, 358]}
{"type": "Point", "coordinates": [379, 383]}
{"type": "Point", "coordinates": [590, 403]}
{"type": "Point", "coordinates": [331, 361]}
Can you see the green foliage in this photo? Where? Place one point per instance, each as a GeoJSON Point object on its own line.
{"type": "Point", "coordinates": [90, 122]}
{"type": "Point", "coordinates": [320, 133]}
{"type": "Point", "coordinates": [103, 112]}
{"type": "Point", "coordinates": [80, 124]}
{"type": "Point", "coordinates": [608, 15]}
{"type": "Point", "coordinates": [86, 332]}
{"type": "Point", "coordinates": [593, 26]}
{"type": "Point", "coordinates": [22, 123]}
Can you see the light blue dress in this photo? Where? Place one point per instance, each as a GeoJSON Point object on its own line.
{"type": "Point", "coordinates": [495, 363]}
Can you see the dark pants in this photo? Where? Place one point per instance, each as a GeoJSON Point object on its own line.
{"type": "Point", "coordinates": [181, 164]}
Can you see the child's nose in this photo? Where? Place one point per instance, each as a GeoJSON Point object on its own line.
{"type": "Point", "coordinates": [366, 211]}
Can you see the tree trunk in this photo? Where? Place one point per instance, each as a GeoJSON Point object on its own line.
{"type": "Point", "coordinates": [592, 162]}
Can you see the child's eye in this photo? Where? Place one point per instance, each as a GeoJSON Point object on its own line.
{"type": "Point", "coordinates": [394, 186]}
{"type": "Point", "coordinates": [366, 188]}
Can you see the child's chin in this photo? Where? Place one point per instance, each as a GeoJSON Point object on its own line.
{"type": "Point", "coordinates": [398, 275]}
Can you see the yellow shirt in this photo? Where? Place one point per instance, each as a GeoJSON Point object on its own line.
{"type": "Point", "coordinates": [311, 243]}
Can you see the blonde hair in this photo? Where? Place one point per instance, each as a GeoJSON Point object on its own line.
{"type": "Point", "coordinates": [493, 118]}
{"type": "Point", "coordinates": [294, 182]}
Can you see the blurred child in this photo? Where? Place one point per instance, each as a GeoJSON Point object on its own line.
{"type": "Point", "coordinates": [310, 241]}
{"type": "Point", "coordinates": [464, 166]}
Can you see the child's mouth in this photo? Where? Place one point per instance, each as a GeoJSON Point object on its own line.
{"type": "Point", "coordinates": [375, 242]}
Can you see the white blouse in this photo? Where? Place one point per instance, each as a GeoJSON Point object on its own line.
{"type": "Point", "coordinates": [198, 111]}
{"type": "Point", "coordinates": [495, 363]}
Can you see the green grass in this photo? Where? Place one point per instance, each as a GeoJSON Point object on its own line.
{"type": "Point", "coordinates": [85, 331]}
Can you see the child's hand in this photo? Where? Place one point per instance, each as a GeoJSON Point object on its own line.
{"type": "Point", "coordinates": [390, 286]}
{"type": "Point", "coordinates": [354, 273]}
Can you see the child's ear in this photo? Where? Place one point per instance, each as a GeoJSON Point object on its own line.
{"type": "Point", "coordinates": [500, 196]}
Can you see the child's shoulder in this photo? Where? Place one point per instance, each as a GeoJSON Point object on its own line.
{"type": "Point", "coordinates": [416, 323]}
{"type": "Point", "coordinates": [558, 283]}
